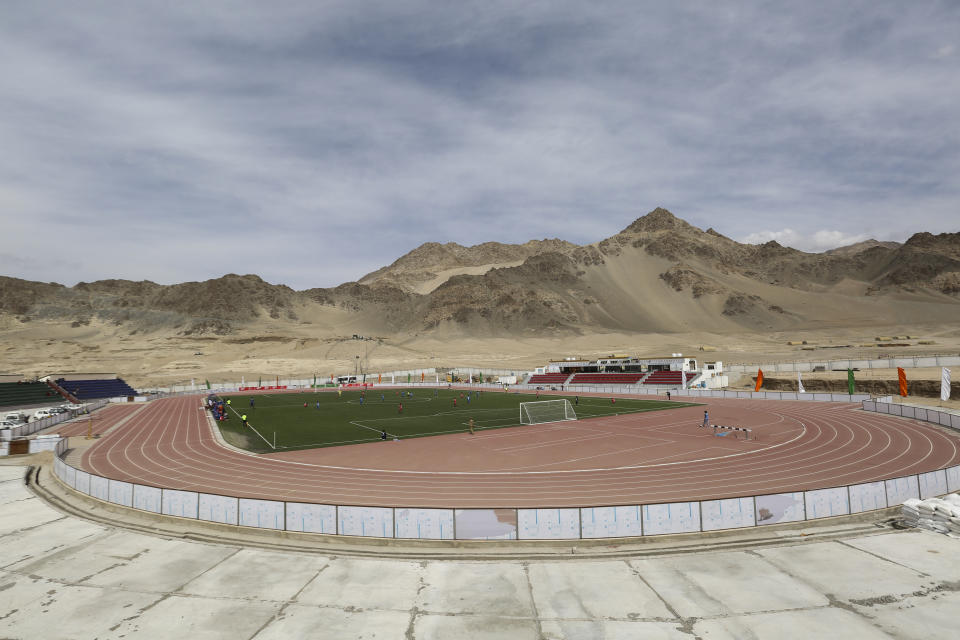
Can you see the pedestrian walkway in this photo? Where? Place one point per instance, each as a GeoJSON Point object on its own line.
{"type": "Point", "coordinates": [65, 577]}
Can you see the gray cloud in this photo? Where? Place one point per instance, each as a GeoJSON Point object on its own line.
{"type": "Point", "coordinates": [314, 143]}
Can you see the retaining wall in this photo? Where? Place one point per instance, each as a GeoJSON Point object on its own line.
{"type": "Point", "coordinates": [512, 523]}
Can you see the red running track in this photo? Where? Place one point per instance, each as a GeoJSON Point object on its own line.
{"type": "Point", "coordinates": [630, 459]}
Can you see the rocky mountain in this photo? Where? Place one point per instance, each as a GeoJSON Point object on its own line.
{"type": "Point", "coordinates": [658, 274]}
{"type": "Point", "coordinates": [860, 247]}
{"type": "Point", "coordinates": [430, 264]}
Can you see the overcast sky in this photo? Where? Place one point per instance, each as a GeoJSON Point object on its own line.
{"type": "Point", "coordinates": [313, 142]}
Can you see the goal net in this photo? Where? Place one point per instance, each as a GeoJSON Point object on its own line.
{"type": "Point", "coordinates": [546, 411]}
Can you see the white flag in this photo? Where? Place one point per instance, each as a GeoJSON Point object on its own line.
{"type": "Point", "coordinates": [945, 384]}
{"type": "Point", "coordinates": [683, 379]}
{"type": "Point", "coordinates": [800, 383]}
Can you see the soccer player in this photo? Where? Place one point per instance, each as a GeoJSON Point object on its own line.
{"type": "Point", "coordinates": [243, 418]}
{"type": "Point", "coordinates": [252, 406]}
{"type": "Point", "coordinates": [381, 397]}
{"type": "Point", "coordinates": [668, 396]}
{"type": "Point", "coordinates": [471, 426]}
{"type": "Point", "coordinates": [383, 435]}
{"type": "Point", "coordinates": [468, 398]}
{"type": "Point", "coordinates": [613, 401]}
{"type": "Point", "coordinates": [454, 402]}
{"type": "Point", "coordinates": [304, 405]}
{"type": "Point", "coordinates": [576, 401]}
{"type": "Point", "coordinates": [361, 400]}
{"type": "Point", "coordinates": [318, 404]}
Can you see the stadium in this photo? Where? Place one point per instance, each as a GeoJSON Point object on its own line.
{"type": "Point", "coordinates": [557, 455]}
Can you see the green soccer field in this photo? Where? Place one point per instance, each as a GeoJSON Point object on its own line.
{"type": "Point", "coordinates": [329, 419]}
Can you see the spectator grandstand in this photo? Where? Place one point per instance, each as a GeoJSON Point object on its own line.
{"type": "Point", "coordinates": [92, 389]}
{"type": "Point", "coordinates": [548, 378]}
{"type": "Point", "coordinates": [607, 378]}
{"type": "Point", "coordinates": [25, 394]}
{"type": "Point", "coordinates": [674, 378]}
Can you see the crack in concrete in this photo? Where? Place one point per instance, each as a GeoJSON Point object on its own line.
{"type": "Point", "coordinates": [95, 537]}
{"type": "Point", "coordinates": [533, 601]}
{"type": "Point", "coordinates": [879, 557]}
{"type": "Point", "coordinates": [684, 625]}
{"type": "Point", "coordinates": [96, 573]}
{"type": "Point", "coordinates": [945, 586]}
{"type": "Point", "coordinates": [141, 611]}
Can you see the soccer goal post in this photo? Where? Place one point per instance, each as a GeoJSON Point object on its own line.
{"type": "Point", "coordinates": [546, 411]}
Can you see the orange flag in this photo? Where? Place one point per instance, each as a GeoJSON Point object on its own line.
{"type": "Point", "coordinates": [902, 375]}
{"type": "Point", "coordinates": [759, 380]}
{"type": "Point", "coordinates": [379, 378]}
{"type": "Point", "coordinates": [421, 376]}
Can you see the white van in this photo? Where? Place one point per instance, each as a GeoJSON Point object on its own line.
{"type": "Point", "coordinates": [41, 414]}
{"type": "Point", "coordinates": [14, 416]}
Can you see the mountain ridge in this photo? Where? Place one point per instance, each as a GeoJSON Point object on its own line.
{"type": "Point", "coordinates": [657, 269]}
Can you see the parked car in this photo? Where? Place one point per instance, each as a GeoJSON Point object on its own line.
{"type": "Point", "coordinates": [15, 416]}
{"type": "Point", "coordinates": [7, 424]}
{"type": "Point", "coordinates": [40, 414]}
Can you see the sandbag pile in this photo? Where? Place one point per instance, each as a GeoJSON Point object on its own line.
{"type": "Point", "coordinates": [941, 515]}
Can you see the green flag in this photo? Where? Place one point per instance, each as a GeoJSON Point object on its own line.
{"type": "Point", "coordinates": [408, 378]}
{"type": "Point", "coordinates": [260, 381]}
{"type": "Point", "coordinates": [208, 384]}
{"type": "Point", "coordinates": [314, 380]}
{"type": "Point", "coordinates": [850, 387]}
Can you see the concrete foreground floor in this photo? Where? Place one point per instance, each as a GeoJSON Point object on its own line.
{"type": "Point", "coordinates": [65, 577]}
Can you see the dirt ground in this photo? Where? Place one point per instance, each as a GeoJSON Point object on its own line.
{"type": "Point", "coordinates": [166, 358]}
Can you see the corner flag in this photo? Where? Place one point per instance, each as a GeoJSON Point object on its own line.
{"type": "Point", "coordinates": [902, 375]}
{"type": "Point", "coordinates": [850, 386]}
{"type": "Point", "coordinates": [944, 384]}
{"type": "Point", "coordinates": [759, 380]}
{"type": "Point", "coordinates": [800, 384]}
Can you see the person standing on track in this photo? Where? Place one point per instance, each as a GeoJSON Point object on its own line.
{"type": "Point", "coordinates": [668, 396]}
{"type": "Point", "coordinates": [706, 419]}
